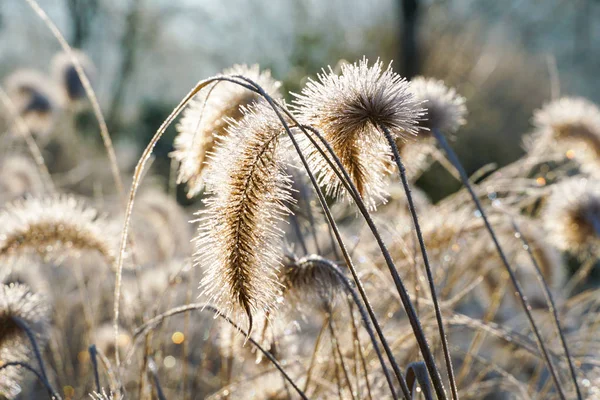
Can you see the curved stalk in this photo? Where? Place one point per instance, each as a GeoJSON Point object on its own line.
{"type": "Point", "coordinates": [36, 351]}
{"type": "Point", "coordinates": [526, 307]}
{"type": "Point", "coordinates": [137, 177]}
{"type": "Point", "coordinates": [89, 91]}
{"type": "Point", "coordinates": [53, 393]}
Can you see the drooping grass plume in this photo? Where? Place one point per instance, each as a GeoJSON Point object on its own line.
{"type": "Point", "coordinates": [569, 126]}
{"type": "Point", "coordinates": [208, 116]}
{"type": "Point", "coordinates": [572, 216]}
{"type": "Point", "coordinates": [34, 97]}
{"type": "Point", "coordinates": [347, 182]}
{"type": "Point", "coordinates": [55, 226]}
{"type": "Point", "coordinates": [445, 109]}
{"type": "Point", "coordinates": [348, 109]}
{"type": "Point", "coordinates": [308, 282]}
{"type": "Point", "coordinates": [65, 75]}
{"type": "Point", "coordinates": [19, 305]}
{"type": "Point", "coordinates": [238, 242]}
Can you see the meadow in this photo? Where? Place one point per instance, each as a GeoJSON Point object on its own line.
{"type": "Point", "coordinates": [306, 263]}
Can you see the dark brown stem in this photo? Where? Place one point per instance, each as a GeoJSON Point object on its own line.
{"type": "Point", "coordinates": [430, 279]}
{"type": "Point", "coordinates": [526, 307]}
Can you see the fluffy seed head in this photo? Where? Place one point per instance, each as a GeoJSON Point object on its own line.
{"type": "Point", "coordinates": [55, 226]}
{"type": "Point", "coordinates": [569, 121]}
{"type": "Point", "coordinates": [208, 116]}
{"type": "Point", "coordinates": [17, 302]}
{"type": "Point", "coordinates": [572, 215]}
{"type": "Point", "coordinates": [308, 279]}
{"type": "Point", "coordinates": [238, 241]}
{"type": "Point", "coordinates": [444, 108]}
{"type": "Point", "coordinates": [34, 97]}
{"type": "Point", "coordinates": [348, 109]}
{"type": "Point", "coordinates": [65, 75]}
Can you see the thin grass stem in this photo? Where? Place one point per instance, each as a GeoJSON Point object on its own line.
{"type": "Point", "coordinates": [359, 351]}
{"type": "Point", "coordinates": [430, 279]}
{"type": "Point", "coordinates": [342, 364]}
{"type": "Point", "coordinates": [313, 357]}
{"type": "Point", "coordinates": [94, 358]}
{"type": "Point", "coordinates": [551, 306]}
{"type": "Point", "coordinates": [526, 307]}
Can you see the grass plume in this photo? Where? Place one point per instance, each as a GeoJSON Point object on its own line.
{"type": "Point", "coordinates": [238, 238]}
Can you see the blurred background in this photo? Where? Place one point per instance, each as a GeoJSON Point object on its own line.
{"type": "Point", "coordinates": [506, 57]}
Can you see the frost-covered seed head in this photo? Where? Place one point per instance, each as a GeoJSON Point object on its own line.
{"type": "Point", "coordinates": [568, 126]}
{"type": "Point", "coordinates": [238, 241]}
{"type": "Point", "coordinates": [309, 281]}
{"type": "Point", "coordinates": [444, 108]}
{"type": "Point", "coordinates": [349, 110]}
{"type": "Point", "coordinates": [572, 215]}
{"type": "Point", "coordinates": [208, 117]}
